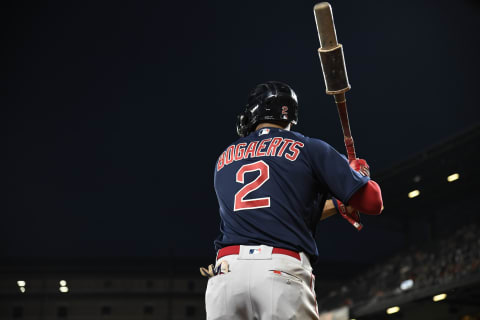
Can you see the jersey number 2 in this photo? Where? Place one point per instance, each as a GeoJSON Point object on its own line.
{"type": "Point", "coordinates": [240, 203]}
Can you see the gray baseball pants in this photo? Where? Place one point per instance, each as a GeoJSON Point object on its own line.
{"type": "Point", "coordinates": [261, 285]}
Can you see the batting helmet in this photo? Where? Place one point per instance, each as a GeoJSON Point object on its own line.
{"type": "Point", "coordinates": [272, 101]}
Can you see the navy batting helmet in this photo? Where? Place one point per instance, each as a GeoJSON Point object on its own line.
{"type": "Point", "coordinates": [272, 101]}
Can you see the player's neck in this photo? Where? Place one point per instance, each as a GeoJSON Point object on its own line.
{"type": "Point", "coordinates": [272, 125]}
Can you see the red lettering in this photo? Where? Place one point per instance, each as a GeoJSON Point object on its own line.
{"type": "Point", "coordinates": [220, 162]}
{"type": "Point", "coordinates": [262, 146]}
{"type": "Point", "coordinates": [240, 151]}
{"type": "Point", "coordinates": [272, 148]}
{"type": "Point", "coordinates": [239, 202]}
{"type": "Point", "coordinates": [256, 149]}
{"type": "Point", "coordinates": [229, 155]}
{"type": "Point", "coordinates": [251, 150]}
{"type": "Point", "coordinates": [282, 149]}
{"type": "Point", "coordinates": [294, 148]}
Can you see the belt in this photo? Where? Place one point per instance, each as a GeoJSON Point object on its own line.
{"type": "Point", "coordinates": [236, 250]}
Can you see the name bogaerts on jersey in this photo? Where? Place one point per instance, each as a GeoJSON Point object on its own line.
{"type": "Point", "coordinates": [271, 147]}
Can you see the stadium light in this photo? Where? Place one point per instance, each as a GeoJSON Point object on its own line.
{"type": "Point", "coordinates": [393, 310]}
{"type": "Point", "coordinates": [21, 283]}
{"type": "Point", "coordinates": [439, 297]}
{"type": "Point", "coordinates": [453, 177]}
{"type": "Point", "coordinates": [64, 289]}
{"type": "Point", "coordinates": [22, 289]}
{"type": "Point", "coordinates": [413, 194]}
{"type": "Point", "coordinates": [63, 283]}
{"type": "Point", "coordinates": [407, 284]}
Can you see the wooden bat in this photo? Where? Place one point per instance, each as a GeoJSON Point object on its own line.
{"type": "Point", "coordinates": [336, 79]}
{"type": "Point", "coordinates": [334, 70]}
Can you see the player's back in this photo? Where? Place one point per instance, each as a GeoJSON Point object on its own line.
{"type": "Point", "coordinates": [268, 191]}
{"type": "Point", "coordinates": [272, 185]}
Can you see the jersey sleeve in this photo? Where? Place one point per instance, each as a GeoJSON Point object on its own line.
{"type": "Point", "coordinates": [333, 171]}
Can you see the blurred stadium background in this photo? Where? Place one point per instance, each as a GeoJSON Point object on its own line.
{"type": "Point", "coordinates": [95, 95]}
{"type": "Point", "coordinates": [430, 200]}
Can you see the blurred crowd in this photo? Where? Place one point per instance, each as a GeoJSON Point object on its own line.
{"type": "Point", "coordinates": [450, 259]}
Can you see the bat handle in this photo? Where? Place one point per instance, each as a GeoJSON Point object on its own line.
{"type": "Point", "coordinates": [342, 112]}
{"type": "Point", "coordinates": [350, 149]}
{"type": "Point", "coordinates": [353, 222]}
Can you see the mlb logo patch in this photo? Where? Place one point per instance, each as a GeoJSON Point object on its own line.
{"type": "Point", "coordinates": [255, 251]}
{"type": "Point", "coordinates": [264, 131]}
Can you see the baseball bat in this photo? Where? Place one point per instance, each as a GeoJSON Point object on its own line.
{"type": "Point", "coordinates": [334, 70]}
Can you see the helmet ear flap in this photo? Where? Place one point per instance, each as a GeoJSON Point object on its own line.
{"type": "Point", "coordinates": [243, 120]}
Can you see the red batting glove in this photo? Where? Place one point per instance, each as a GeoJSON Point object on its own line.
{"type": "Point", "coordinates": [361, 166]}
{"type": "Point", "coordinates": [352, 217]}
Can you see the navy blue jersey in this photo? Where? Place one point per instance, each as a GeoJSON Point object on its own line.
{"type": "Point", "coordinates": [272, 185]}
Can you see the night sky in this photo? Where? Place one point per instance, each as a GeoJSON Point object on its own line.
{"type": "Point", "coordinates": [117, 111]}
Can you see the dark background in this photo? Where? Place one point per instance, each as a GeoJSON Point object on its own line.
{"type": "Point", "coordinates": [117, 111]}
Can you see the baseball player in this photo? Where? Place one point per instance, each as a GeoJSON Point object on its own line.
{"type": "Point", "coordinates": [273, 186]}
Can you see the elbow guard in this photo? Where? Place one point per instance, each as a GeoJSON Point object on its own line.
{"type": "Point", "coordinates": [368, 199]}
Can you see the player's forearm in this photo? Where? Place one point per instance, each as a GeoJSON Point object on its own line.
{"type": "Point", "coordinates": [328, 210]}
{"type": "Point", "coordinates": [368, 199]}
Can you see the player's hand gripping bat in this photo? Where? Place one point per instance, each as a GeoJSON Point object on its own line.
{"type": "Point", "coordinates": [336, 80]}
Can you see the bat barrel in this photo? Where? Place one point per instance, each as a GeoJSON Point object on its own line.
{"type": "Point", "coordinates": [334, 70]}
{"type": "Point", "coordinates": [325, 25]}
{"type": "Point", "coordinates": [330, 52]}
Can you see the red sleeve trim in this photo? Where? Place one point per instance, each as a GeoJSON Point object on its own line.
{"type": "Point", "coordinates": [368, 199]}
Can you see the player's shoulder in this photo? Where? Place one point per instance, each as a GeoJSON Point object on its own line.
{"type": "Point", "coordinates": [239, 140]}
{"type": "Point", "coordinates": [266, 133]}
{"type": "Point", "coordinates": [311, 142]}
